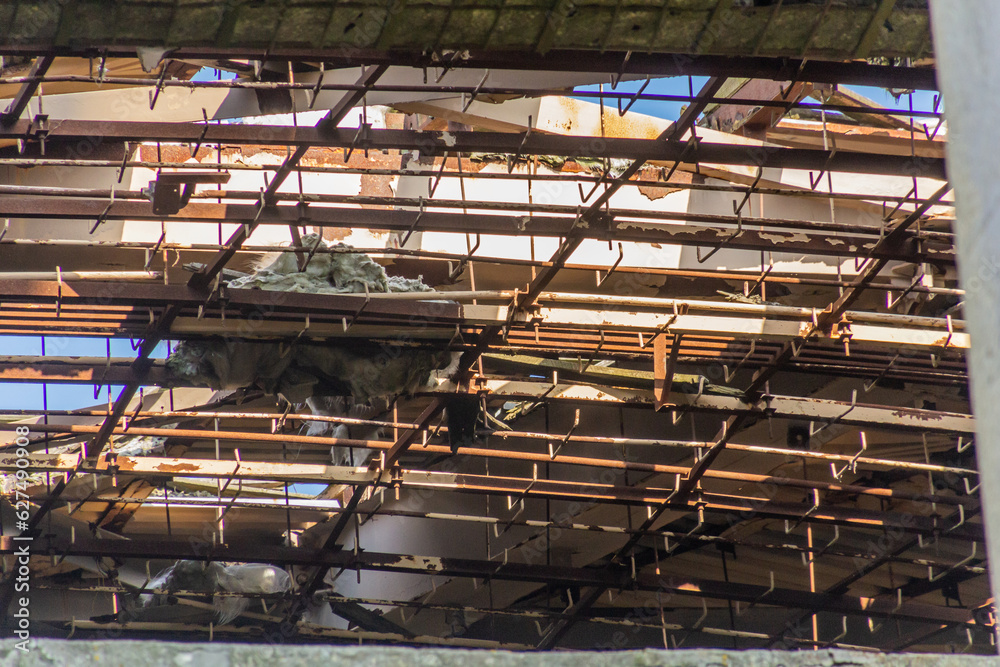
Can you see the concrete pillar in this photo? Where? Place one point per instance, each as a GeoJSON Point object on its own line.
{"type": "Point", "coordinates": [967, 47]}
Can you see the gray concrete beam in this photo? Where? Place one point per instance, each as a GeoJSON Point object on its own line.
{"type": "Point", "coordinates": [58, 653]}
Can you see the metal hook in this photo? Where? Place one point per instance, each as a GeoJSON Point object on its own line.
{"type": "Point", "coordinates": [362, 132]}
{"type": "Point", "coordinates": [347, 325]}
{"type": "Point", "coordinates": [314, 93]}
{"type": "Point", "coordinates": [704, 615]}
{"type": "Point", "coordinates": [931, 577]}
{"type": "Point", "coordinates": [841, 635]}
{"type": "Point", "coordinates": [961, 518]}
{"type": "Point", "coordinates": [760, 597]}
{"type": "Point", "coordinates": [854, 401]}
{"type": "Point", "coordinates": [852, 465]}
{"type": "Point", "coordinates": [600, 181]}
{"type": "Point", "coordinates": [475, 92]}
{"type": "Point", "coordinates": [677, 414]}
{"type": "Point", "coordinates": [633, 100]}
{"type": "Point", "coordinates": [739, 230]}
{"type": "Point", "coordinates": [725, 368]}
{"type": "Point", "coordinates": [868, 386]}
{"type": "Point", "coordinates": [621, 255]}
{"type": "Point", "coordinates": [104, 214]}
{"type": "Point", "coordinates": [511, 161]}
{"type": "Point", "coordinates": [576, 422]}
{"type": "Point", "coordinates": [416, 221]}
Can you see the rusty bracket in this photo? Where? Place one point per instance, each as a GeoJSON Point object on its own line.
{"type": "Point", "coordinates": [107, 462]}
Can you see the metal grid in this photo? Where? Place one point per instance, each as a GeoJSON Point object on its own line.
{"type": "Point", "coordinates": [881, 539]}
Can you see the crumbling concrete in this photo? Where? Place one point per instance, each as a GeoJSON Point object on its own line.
{"type": "Point", "coordinates": [123, 653]}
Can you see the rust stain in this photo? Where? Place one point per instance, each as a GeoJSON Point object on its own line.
{"type": "Point", "coordinates": [175, 467]}
{"type": "Point", "coordinates": [914, 413]}
{"type": "Point", "coordinates": [654, 192]}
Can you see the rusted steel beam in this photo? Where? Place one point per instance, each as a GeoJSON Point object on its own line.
{"type": "Point", "coordinates": [909, 250]}
{"type": "Point", "coordinates": [860, 233]}
{"type": "Point", "coordinates": [443, 143]}
{"type": "Point", "coordinates": [93, 370]}
{"type": "Point", "coordinates": [149, 466]}
{"type": "Point", "coordinates": [614, 577]}
{"type": "Point", "coordinates": [161, 417]}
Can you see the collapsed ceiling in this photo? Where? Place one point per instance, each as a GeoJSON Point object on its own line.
{"type": "Point", "coordinates": [429, 348]}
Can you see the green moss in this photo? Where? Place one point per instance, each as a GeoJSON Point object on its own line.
{"type": "Point", "coordinates": [468, 27]}
{"type": "Point", "coordinates": [255, 24]}
{"type": "Point", "coordinates": [35, 22]}
{"type": "Point", "coordinates": [200, 23]}
{"type": "Point", "coordinates": [356, 26]}
{"type": "Point", "coordinates": [134, 18]}
{"type": "Point", "coordinates": [303, 26]}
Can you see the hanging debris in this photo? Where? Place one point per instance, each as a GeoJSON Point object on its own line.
{"type": "Point", "coordinates": [199, 577]}
{"type": "Point", "coordinates": [344, 406]}
{"type": "Point", "coordinates": [340, 271]}
{"type": "Point", "coordinates": [364, 371]}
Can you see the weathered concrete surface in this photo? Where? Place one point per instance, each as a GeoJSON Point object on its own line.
{"type": "Point", "coordinates": [125, 653]}
{"type": "Point", "coordinates": [969, 71]}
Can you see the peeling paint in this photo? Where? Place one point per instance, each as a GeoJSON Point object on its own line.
{"type": "Point", "coordinates": [783, 238]}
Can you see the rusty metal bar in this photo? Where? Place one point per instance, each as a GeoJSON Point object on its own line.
{"type": "Point", "coordinates": [29, 85]}
{"type": "Point", "coordinates": [616, 577]}
{"type": "Point", "coordinates": [439, 143]}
